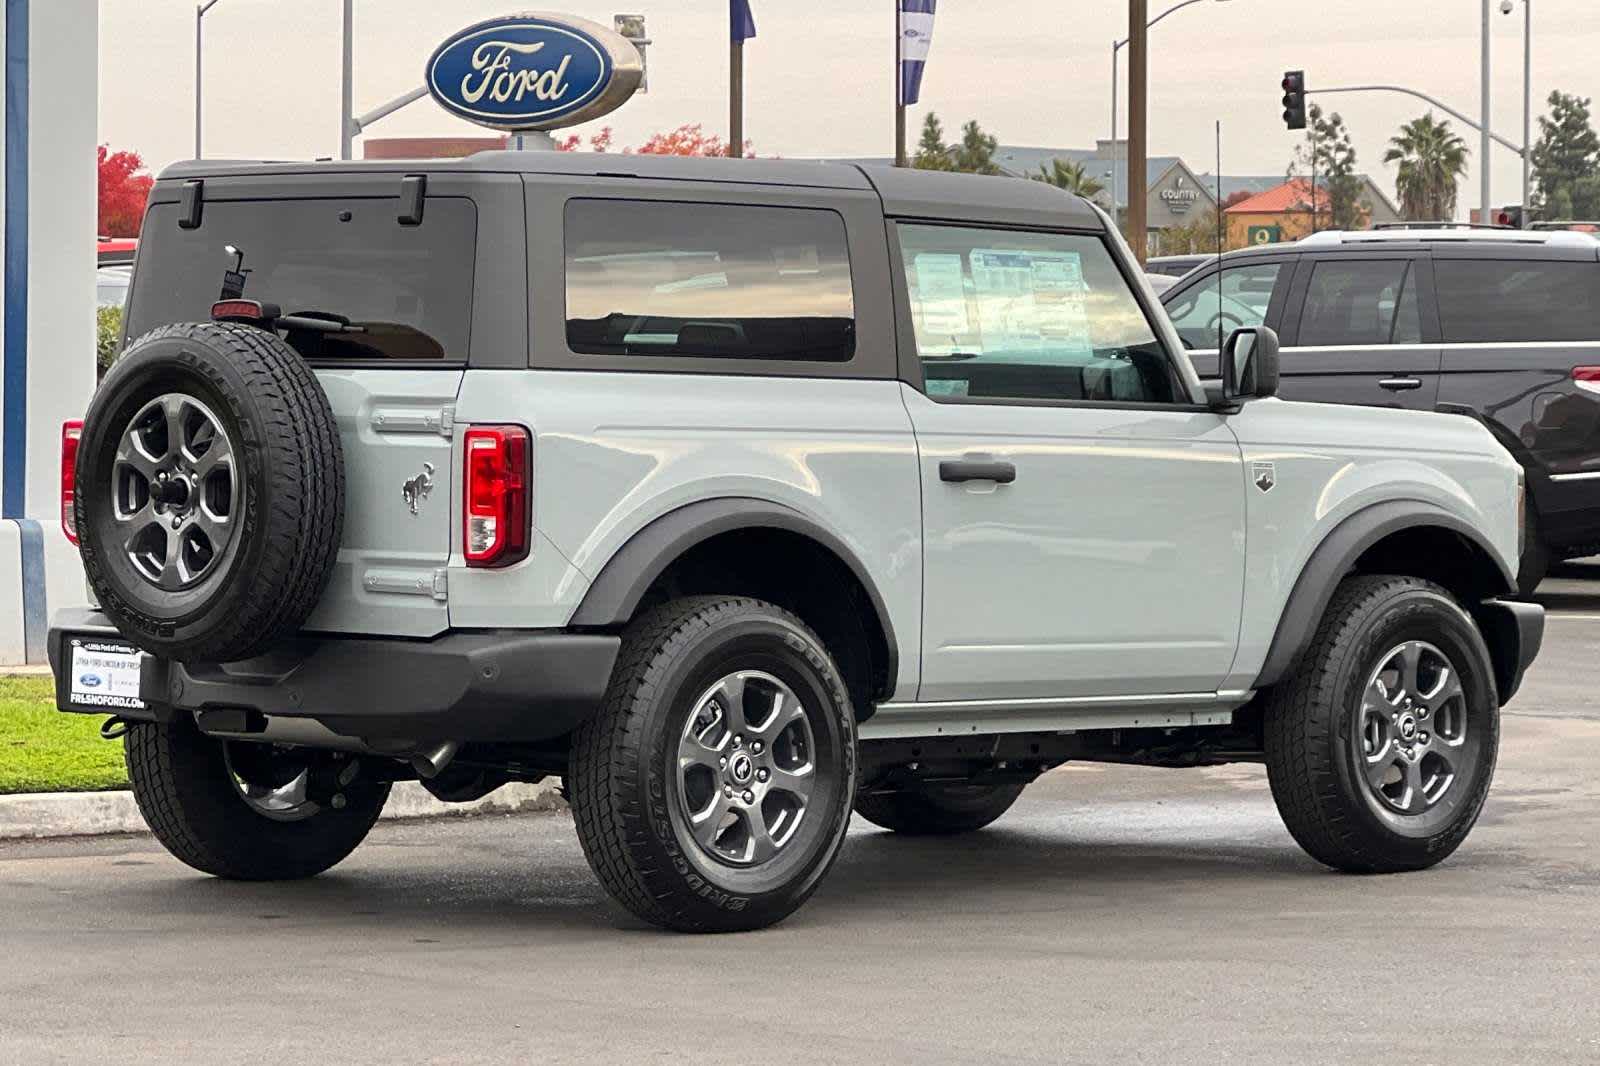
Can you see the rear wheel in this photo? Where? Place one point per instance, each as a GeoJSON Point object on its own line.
{"type": "Point", "coordinates": [941, 810]}
{"type": "Point", "coordinates": [1381, 747]}
{"type": "Point", "coordinates": [247, 811]}
{"type": "Point", "coordinates": [713, 789]}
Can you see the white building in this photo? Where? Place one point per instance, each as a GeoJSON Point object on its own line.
{"type": "Point", "coordinates": [47, 301]}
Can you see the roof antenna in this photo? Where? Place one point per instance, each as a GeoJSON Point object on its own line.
{"type": "Point", "coordinates": [1219, 241]}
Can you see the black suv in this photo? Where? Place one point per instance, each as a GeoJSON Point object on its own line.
{"type": "Point", "coordinates": [1501, 325]}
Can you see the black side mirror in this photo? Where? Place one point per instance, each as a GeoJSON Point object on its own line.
{"type": "Point", "coordinates": [1250, 364]}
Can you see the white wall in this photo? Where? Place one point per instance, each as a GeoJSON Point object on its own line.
{"type": "Point", "coordinates": [62, 97]}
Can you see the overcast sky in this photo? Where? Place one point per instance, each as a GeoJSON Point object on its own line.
{"type": "Point", "coordinates": [1033, 72]}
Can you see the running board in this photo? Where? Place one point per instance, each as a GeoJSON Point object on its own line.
{"type": "Point", "coordinates": [1067, 714]}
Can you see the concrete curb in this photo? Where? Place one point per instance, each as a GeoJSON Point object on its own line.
{"type": "Point", "coordinates": [70, 814]}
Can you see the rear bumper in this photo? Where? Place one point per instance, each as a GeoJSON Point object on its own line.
{"type": "Point", "coordinates": [1514, 632]}
{"type": "Point", "coordinates": [478, 685]}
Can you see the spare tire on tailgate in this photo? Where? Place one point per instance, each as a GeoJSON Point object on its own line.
{"type": "Point", "coordinates": [210, 491]}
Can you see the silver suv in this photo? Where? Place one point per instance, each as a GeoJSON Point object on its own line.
{"type": "Point", "coordinates": [744, 495]}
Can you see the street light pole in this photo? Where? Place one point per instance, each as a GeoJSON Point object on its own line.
{"type": "Point", "coordinates": [1138, 113]}
{"type": "Point", "coordinates": [1116, 46]}
{"type": "Point", "coordinates": [1527, 112]}
{"type": "Point", "coordinates": [347, 83]}
{"type": "Point", "coordinates": [1483, 126]}
{"type": "Point", "coordinates": [199, 14]}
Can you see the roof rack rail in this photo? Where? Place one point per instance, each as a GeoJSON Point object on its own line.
{"type": "Point", "coordinates": [1439, 225]}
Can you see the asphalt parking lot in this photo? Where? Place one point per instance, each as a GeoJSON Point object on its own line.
{"type": "Point", "coordinates": [1116, 915]}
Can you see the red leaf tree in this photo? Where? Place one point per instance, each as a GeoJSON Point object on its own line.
{"type": "Point", "coordinates": [689, 139]}
{"type": "Point", "coordinates": [123, 190]}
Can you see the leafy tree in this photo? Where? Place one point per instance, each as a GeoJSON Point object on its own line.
{"type": "Point", "coordinates": [932, 152]}
{"type": "Point", "coordinates": [689, 139]}
{"type": "Point", "coordinates": [600, 142]}
{"type": "Point", "coordinates": [108, 336]}
{"type": "Point", "coordinates": [1566, 160]}
{"type": "Point", "coordinates": [1327, 147]}
{"type": "Point", "coordinates": [123, 191]}
{"type": "Point", "coordinates": [975, 153]}
{"type": "Point", "coordinates": [1198, 234]}
{"type": "Point", "coordinates": [1432, 158]}
{"type": "Point", "coordinates": [1071, 177]}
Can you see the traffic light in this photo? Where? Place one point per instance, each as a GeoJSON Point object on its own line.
{"type": "Point", "coordinates": [1294, 99]}
{"type": "Point", "coordinates": [1510, 217]}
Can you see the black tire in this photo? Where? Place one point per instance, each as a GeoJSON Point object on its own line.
{"type": "Point", "coordinates": [630, 801]}
{"type": "Point", "coordinates": [185, 790]}
{"type": "Point", "coordinates": [1314, 724]}
{"type": "Point", "coordinates": [286, 482]}
{"type": "Point", "coordinates": [942, 810]}
{"type": "Point", "coordinates": [1536, 556]}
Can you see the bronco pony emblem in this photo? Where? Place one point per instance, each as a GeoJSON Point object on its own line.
{"type": "Point", "coordinates": [418, 488]}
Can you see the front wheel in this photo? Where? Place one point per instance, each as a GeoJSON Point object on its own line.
{"type": "Point", "coordinates": [242, 810]}
{"type": "Point", "coordinates": [1381, 746]}
{"type": "Point", "coordinates": [943, 810]}
{"type": "Point", "coordinates": [712, 790]}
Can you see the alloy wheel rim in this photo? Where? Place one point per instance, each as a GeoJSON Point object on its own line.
{"type": "Point", "coordinates": [283, 801]}
{"type": "Point", "coordinates": [174, 492]}
{"type": "Point", "coordinates": [746, 768]}
{"type": "Point", "coordinates": [1411, 740]}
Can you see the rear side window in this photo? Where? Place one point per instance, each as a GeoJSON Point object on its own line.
{"type": "Point", "coordinates": [1358, 303]}
{"type": "Point", "coordinates": [1008, 314]}
{"type": "Point", "coordinates": [1207, 309]}
{"type": "Point", "coordinates": [407, 288]}
{"type": "Point", "coordinates": [718, 281]}
{"type": "Point", "coordinates": [1483, 300]}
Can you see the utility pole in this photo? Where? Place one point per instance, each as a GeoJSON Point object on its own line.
{"type": "Point", "coordinates": [1483, 126]}
{"type": "Point", "coordinates": [347, 83]}
{"type": "Point", "coordinates": [1138, 86]}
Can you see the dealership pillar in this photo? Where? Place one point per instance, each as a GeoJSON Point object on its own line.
{"type": "Point", "coordinates": [47, 300]}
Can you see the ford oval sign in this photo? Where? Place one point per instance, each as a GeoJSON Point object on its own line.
{"type": "Point", "coordinates": [533, 72]}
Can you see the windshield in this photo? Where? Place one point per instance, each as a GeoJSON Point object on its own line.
{"type": "Point", "coordinates": [409, 288]}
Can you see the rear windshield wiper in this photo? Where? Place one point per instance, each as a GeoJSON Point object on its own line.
{"type": "Point", "coordinates": [317, 322]}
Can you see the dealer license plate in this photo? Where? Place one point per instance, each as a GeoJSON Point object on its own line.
{"type": "Point", "coordinates": [103, 674]}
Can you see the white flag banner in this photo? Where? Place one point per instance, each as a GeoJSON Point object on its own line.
{"type": "Point", "coordinates": [916, 39]}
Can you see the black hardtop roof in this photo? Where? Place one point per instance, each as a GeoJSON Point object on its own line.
{"type": "Point", "coordinates": [905, 192]}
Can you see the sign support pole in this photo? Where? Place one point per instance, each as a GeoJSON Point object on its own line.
{"type": "Point", "coordinates": [347, 83]}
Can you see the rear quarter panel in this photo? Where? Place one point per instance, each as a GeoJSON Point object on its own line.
{"type": "Point", "coordinates": [615, 451]}
{"type": "Point", "coordinates": [1328, 462]}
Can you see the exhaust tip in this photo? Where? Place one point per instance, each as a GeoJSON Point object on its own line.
{"type": "Point", "coordinates": [431, 762]}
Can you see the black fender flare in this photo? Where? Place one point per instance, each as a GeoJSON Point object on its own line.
{"type": "Point", "coordinates": [1335, 557]}
{"type": "Point", "coordinates": [617, 590]}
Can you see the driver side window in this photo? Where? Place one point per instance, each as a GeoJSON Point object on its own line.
{"type": "Point", "coordinates": [1240, 300]}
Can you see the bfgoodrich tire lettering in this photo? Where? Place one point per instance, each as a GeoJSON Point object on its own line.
{"type": "Point", "coordinates": [624, 783]}
{"type": "Point", "coordinates": [287, 481]}
{"type": "Point", "coordinates": [1322, 781]}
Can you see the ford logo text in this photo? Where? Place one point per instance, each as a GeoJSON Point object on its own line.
{"type": "Point", "coordinates": [533, 72]}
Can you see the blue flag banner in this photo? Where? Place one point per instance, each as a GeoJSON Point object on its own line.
{"type": "Point", "coordinates": [916, 38]}
{"type": "Point", "coordinates": [741, 23]}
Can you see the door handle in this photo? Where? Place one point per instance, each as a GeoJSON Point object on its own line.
{"type": "Point", "coordinates": [1400, 384]}
{"type": "Point", "coordinates": [1000, 472]}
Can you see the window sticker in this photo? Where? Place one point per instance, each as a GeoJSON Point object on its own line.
{"type": "Point", "coordinates": [1030, 303]}
{"type": "Point", "coordinates": [941, 298]}
{"type": "Point", "coordinates": [798, 259]}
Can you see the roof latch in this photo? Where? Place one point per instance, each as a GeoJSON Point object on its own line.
{"type": "Point", "coordinates": [413, 188]}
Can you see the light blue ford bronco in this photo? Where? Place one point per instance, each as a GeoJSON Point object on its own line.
{"type": "Point", "coordinates": [743, 495]}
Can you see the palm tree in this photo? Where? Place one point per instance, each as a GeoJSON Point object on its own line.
{"type": "Point", "coordinates": [1071, 177]}
{"type": "Point", "coordinates": [1432, 158]}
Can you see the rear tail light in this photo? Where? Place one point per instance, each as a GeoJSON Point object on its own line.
{"type": "Point", "coordinates": [499, 518]}
{"type": "Point", "coordinates": [71, 434]}
{"type": "Point", "coordinates": [1587, 378]}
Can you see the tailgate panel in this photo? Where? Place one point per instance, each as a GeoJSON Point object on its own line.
{"type": "Point", "coordinates": [396, 427]}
